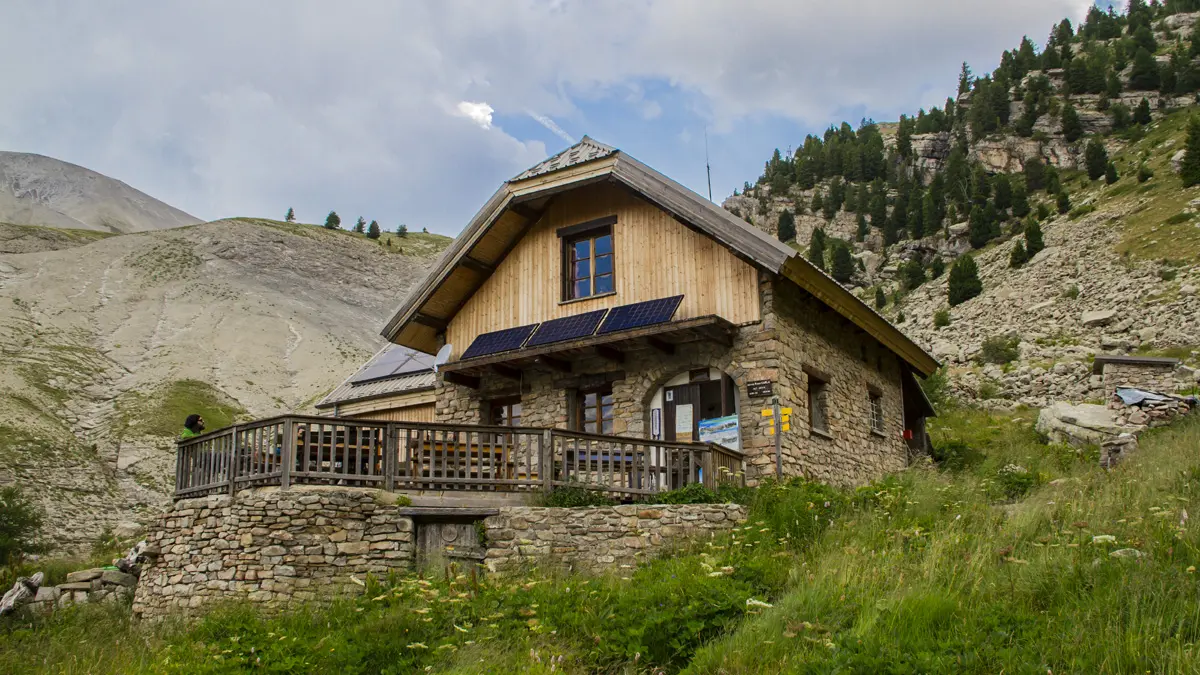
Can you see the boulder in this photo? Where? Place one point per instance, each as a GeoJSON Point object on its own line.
{"type": "Point", "coordinates": [83, 575]}
{"type": "Point", "coordinates": [1101, 317]}
{"type": "Point", "coordinates": [1177, 160]}
{"type": "Point", "coordinates": [1079, 425]}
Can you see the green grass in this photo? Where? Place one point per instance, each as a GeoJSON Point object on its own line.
{"type": "Point", "coordinates": [997, 560]}
{"type": "Point", "coordinates": [416, 244]}
{"type": "Point", "coordinates": [161, 413]}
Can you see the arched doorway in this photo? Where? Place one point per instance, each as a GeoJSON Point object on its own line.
{"type": "Point", "coordinates": [702, 397]}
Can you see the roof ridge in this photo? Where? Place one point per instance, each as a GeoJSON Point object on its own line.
{"type": "Point", "coordinates": [574, 154]}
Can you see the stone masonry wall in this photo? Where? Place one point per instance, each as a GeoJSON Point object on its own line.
{"type": "Point", "coordinates": [597, 539]}
{"type": "Point", "coordinates": [270, 546]}
{"type": "Point", "coordinates": [1159, 379]}
{"type": "Point", "coordinates": [817, 339]}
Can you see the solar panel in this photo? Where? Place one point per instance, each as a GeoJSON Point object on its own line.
{"type": "Point", "coordinates": [640, 314]}
{"type": "Point", "coordinates": [568, 328]}
{"type": "Point", "coordinates": [499, 341]}
{"type": "Point", "coordinates": [393, 361]}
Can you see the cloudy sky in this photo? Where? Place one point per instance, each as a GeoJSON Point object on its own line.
{"type": "Point", "coordinates": [415, 112]}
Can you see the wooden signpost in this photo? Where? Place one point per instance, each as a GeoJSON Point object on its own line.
{"type": "Point", "coordinates": [779, 422]}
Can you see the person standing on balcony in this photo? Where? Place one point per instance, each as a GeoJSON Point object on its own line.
{"type": "Point", "coordinates": [193, 426]}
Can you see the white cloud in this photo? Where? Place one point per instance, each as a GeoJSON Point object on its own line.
{"type": "Point", "coordinates": [479, 113]}
{"type": "Point", "coordinates": [233, 108]}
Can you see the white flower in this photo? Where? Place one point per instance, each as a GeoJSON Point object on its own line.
{"type": "Point", "coordinates": [757, 603]}
{"type": "Point", "coordinates": [1104, 539]}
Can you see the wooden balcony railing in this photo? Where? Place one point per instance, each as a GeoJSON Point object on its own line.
{"type": "Point", "coordinates": [419, 456]}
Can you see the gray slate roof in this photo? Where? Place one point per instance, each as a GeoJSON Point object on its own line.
{"type": "Point", "coordinates": [585, 150]}
{"type": "Point", "coordinates": [414, 378]}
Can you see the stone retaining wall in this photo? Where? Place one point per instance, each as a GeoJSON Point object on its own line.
{"type": "Point", "coordinates": [597, 539]}
{"type": "Point", "coordinates": [270, 546]}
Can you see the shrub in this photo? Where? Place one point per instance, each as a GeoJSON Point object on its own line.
{"type": "Point", "coordinates": [936, 387]}
{"type": "Point", "coordinates": [696, 493]}
{"type": "Point", "coordinates": [1000, 350]}
{"type": "Point", "coordinates": [964, 281]}
{"type": "Point", "coordinates": [941, 318]}
{"type": "Point", "coordinates": [1033, 240]}
{"type": "Point", "coordinates": [988, 390]}
{"type": "Point", "coordinates": [20, 526]}
{"type": "Point", "coordinates": [1082, 211]}
{"type": "Point", "coordinates": [900, 317]}
{"type": "Point", "coordinates": [1144, 173]}
{"type": "Point", "coordinates": [1015, 480]}
{"type": "Point", "coordinates": [936, 267]}
{"type": "Point", "coordinates": [913, 274]}
{"type": "Point", "coordinates": [1110, 174]}
{"type": "Point", "coordinates": [574, 495]}
{"type": "Point", "coordinates": [955, 455]}
{"type": "Point", "coordinates": [1018, 256]}
{"type": "Point", "coordinates": [1063, 201]}
{"type": "Point", "coordinates": [1071, 291]}
{"type": "Point", "coordinates": [880, 299]}
{"type": "Point", "coordinates": [1043, 211]}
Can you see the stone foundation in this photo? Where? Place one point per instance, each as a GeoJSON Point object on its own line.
{"type": "Point", "coordinates": [270, 547]}
{"type": "Point", "coordinates": [598, 539]}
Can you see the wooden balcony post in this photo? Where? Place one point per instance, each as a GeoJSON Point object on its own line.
{"type": "Point", "coordinates": [390, 452]}
{"type": "Point", "coordinates": [287, 454]}
{"type": "Point", "coordinates": [231, 464]}
{"type": "Point", "coordinates": [546, 459]}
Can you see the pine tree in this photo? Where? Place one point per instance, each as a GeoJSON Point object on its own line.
{"type": "Point", "coordinates": [1053, 183]}
{"type": "Point", "coordinates": [1110, 174]}
{"type": "Point", "coordinates": [1189, 170]}
{"type": "Point", "coordinates": [1033, 239]}
{"type": "Point", "coordinates": [1020, 200]}
{"type": "Point", "coordinates": [816, 248]}
{"type": "Point", "coordinates": [1035, 173]}
{"type": "Point", "coordinates": [1141, 114]}
{"type": "Point", "coordinates": [1063, 202]}
{"type": "Point", "coordinates": [1002, 188]}
{"type": "Point", "coordinates": [1072, 128]}
{"type": "Point", "coordinates": [402, 230]}
{"type": "Point", "coordinates": [1018, 256]}
{"type": "Point", "coordinates": [964, 79]}
{"type": "Point", "coordinates": [829, 206]}
{"type": "Point", "coordinates": [904, 137]}
{"type": "Point", "coordinates": [912, 274]}
{"type": "Point", "coordinates": [937, 267]}
{"type": "Point", "coordinates": [880, 299]}
{"type": "Point", "coordinates": [360, 225]}
{"type": "Point", "coordinates": [291, 215]}
{"type": "Point", "coordinates": [929, 215]}
{"type": "Point", "coordinates": [979, 230]}
{"type": "Point", "coordinates": [817, 202]}
{"type": "Point", "coordinates": [333, 221]}
{"type": "Point", "coordinates": [1145, 73]}
{"type": "Point", "coordinates": [787, 226]}
{"type": "Point", "coordinates": [1096, 158]}
{"type": "Point", "coordinates": [842, 267]}
{"type": "Point", "coordinates": [1143, 37]}
{"type": "Point", "coordinates": [964, 281]}
{"type": "Point", "coordinates": [879, 209]}
{"type": "Point", "coordinates": [1144, 173]}
{"type": "Point", "coordinates": [373, 230]}
{"type": "Point", "coordinates": [860, 234]}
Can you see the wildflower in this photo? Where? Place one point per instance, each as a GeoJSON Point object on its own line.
{"type": "Point", "coordinates": [751, 602]}
{"type": "Point", "coordinates": [460, 628]}
{"type": "Point", "coordinates": [356, 580]}
{"type": "Point", "coordinates": [1104, 539]}
{"type": "Point", "coordinates": [417, 645]}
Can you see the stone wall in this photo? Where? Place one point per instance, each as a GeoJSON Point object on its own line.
{"type": "Point", "coordinates": [1155, 378]}
{"type": "Point", "coordinates": [598, 539]}
{"type": "Point", "coordinates": [801, 333]}
{"type": "Point", "coordinates": [270, 546]}
{"type": "Point", "coordinates": [817, 342]}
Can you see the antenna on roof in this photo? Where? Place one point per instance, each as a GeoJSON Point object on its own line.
{"type": "Point", "coordinates": [707, 166]}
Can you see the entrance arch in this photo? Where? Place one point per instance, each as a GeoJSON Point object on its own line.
{"type": "Point", "coordinates": [694, 396]}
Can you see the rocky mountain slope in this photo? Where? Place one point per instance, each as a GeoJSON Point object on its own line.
{"type": "Point", "coordinates": [37, 190]}
{"type": "Point", "coordinates": [1121, 267]}
{"type": "Point", "coordinates": [108, 342]}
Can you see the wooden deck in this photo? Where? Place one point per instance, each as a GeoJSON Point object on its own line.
{"type": "Point", "coordinates": [292, 450]}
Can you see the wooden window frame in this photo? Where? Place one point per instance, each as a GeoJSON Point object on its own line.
{"type": "Point", "coordinates": [581, 407]}
{"type": "Point", "coordinates": [506, 402]}
{"type": "Point", "coordinates": [572, 235]}
{"type": "Point", "coordinates": [818, 399]}
{"type": "Point", "coordinates": [875, 411]}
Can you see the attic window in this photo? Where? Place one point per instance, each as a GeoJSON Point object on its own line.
{"type": "Point", "coordinates": [588, 259]}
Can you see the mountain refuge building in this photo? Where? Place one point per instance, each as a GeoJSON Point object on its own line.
{"type": "Point", "coordinates": [594, 294]}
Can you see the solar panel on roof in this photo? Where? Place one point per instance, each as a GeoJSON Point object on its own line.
{"type": "Point", "coordinates": [500, 341]}
{"type": "Point", "coordinates": [391, 362]}
{"type": "Point", "coordinates": [568, 328]}
{"type": "Point", "coordinates": [640, 314]}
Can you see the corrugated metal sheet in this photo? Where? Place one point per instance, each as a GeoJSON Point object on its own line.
{"type": "Point", "coordinates": [356, 392]}
{"type": "Point", "coordinates": [585, 150]}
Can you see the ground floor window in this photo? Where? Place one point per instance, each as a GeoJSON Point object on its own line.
{"type": "Point", "coordinates": [876, 401]}
{"type": "Point", "coordinates": [594, 410]}
{"type": "Point", "coordinates": [505, 412]}
{"type": "Point", "coordinates": [818, 394]}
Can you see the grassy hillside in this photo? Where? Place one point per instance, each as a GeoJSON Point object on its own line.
{"type": "Point", "coordinates": [1008, 556]}
{"type": "Point", "coordinates": [417, 244]}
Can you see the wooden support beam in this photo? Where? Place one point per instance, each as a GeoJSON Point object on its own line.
{"type": "Point", "coordinates": [610, 354]}
{"type": "Point", "coordinates": [530, 214]}
{"type": "Point", "coordinates": [506, 371]}
{"type": "Point", "coordinates": [461, 379]}
{"type": "Point", "coordinates": [664, 347]}
{"type": "Point", "coordinates": [477, 266]}
{"type": "Point", "coordinates": [431, 321]}
{"type": "Point", "coordinates": [555, 364]}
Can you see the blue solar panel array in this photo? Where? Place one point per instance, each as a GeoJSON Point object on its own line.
{"type": "Point", "coordinates": [393, 362]}
{"type": "Point", "coordinates": [569, 328]}
{"type": "Point", "coordinates": [499, 341]}
{"type": "Point", "coordinates": [640, 314]}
